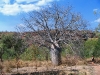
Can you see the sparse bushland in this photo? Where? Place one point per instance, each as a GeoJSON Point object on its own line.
{"type": "Point", "coordinates": [59, 37]}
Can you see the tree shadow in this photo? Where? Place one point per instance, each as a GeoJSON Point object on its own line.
{"type": "Point", "coordinates": [43, 73]}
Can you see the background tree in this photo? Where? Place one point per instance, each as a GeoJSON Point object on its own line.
{"type": "Point", "coordinates": [96, 52]}
{"type": "Point", "coordinates": [3, 48]}
{"type": "Point", "coordinates": [89, 47]}
{"type": "Point", "coordinates": [31, 53]}
{"type": "Point", "coordinates": [15, 46]}
{"type": "Point", "coordinates": [53, 26]}
{"type": "Point", "coordinates": [1, 52]}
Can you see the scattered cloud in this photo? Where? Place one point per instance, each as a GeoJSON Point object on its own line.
{"type": "Point", "coordinates": [43, 2]}
{"type": "Point", "coordinates": [5, 1]}
{"type": "Point", "coordinates": [14, 7]}
{"type": "Point", "coordinates": [98, 20]}
{"type": "Point", "coordinates": [95, 10]}
{"type": "Point", "coordinates": [26, 1]}
{"type": "Point", "coordinates": [8, 9]}
{"type": "Point", "coordinates": [21, 25]}
{"type": "Point", "coordinates": [28, 7]}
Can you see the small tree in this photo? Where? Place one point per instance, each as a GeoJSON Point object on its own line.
{"type": "Point", "coordinates": [1, 59]}
{"type": "Point", "coordinates": [89, 46]}
{"type": "Point", "coordinates": [3, 48]}
{"type": "Point", "coordinates": [16, 43]}
{"type": "Point", "coordinates": [96, 52]}
{"type": "Point", "coordinates": [31, 53]}
{"type": "Point", "coordinates": [52, 26]}
{"type": "Point", "coordinates": [1, 52]}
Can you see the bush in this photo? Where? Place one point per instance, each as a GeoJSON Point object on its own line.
{"type": "Point", "coordinates": [35, 53]}
{"type": "Point", "coordinates": [89, 47]}
{"type": "Point", "coordinates": [96, 52]}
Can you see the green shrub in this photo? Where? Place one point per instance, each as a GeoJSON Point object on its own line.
{"type": "Point", "coordinates": [35, 53]}
{"type": "Point", "coordinates": [89, 47]}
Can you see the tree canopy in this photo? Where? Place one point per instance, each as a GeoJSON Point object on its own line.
{"type": "Point", "coordinates": [53, 26]}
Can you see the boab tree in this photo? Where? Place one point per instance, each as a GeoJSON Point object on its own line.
{"type": "Point", "coordinates": [53, 26]}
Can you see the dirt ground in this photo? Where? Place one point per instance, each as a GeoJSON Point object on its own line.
{"type": "Point", "coordinates": [96, 70]}
{"type": "Point", "coordinates": [37, 67]}
{"type": "Point", "coordinates": [91, 69]}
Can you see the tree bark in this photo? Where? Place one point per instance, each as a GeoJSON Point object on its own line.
{"type": "Point", "coordinates": [55, 53]}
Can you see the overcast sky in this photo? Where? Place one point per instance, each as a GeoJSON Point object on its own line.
{"type": "Point", "coordinates": [11, 11]}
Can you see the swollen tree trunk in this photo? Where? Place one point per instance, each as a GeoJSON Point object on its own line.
{"type": "Point", "coordinates": [55, 54]}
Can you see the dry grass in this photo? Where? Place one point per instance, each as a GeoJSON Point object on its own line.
{"type": "Point", "coordinates": [66, 61]}
{"type": "Point", "coordinates": [89, 60]}
{"type": "Point", "coordinates": [9, 65]}
{"type": "Point", "coordinates": [72, 60]}
{"type": "Point", "coordinates": [1, 66]}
